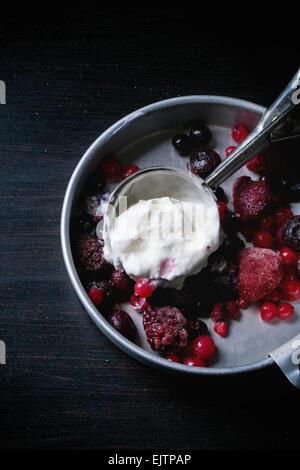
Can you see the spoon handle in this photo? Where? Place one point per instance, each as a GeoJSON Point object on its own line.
{"type": "Point", "coordinates": [259, 138]}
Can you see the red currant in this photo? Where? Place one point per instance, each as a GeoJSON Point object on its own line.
{"type": "Point", "coordinates": [239, 133]}
{"type": "Point", "coordinates": [221, 328]}
{"type": "Point", "coordinates": [96, 296]}
{"type": "Point", "coordinates": [143, 288]}
{"type": "Point", "coordinates": [129, 170]}
{"type": "Point", "coordinates": [139, 303]}
{"type": "Point", "coordinates": [288, 256]}
{"type": "Point", "coordinates": [290, 290]}
{"type": "Point", "coordinates": [263, 239]}
{"type": "Point", "coordinates": [194, 362]}
{"type": "Point", "coordinates": [229, 150]}
{"type": "Point", "coordinates": [218, 312]}
{"type": "Point", "coordinates": [173, 358]}
{"type": "Point", "coordinates": [285, 311]}
{"type": "Point", "coordinates": [268, 311]}
{"type": "Point", "coordinates": [203, 346]}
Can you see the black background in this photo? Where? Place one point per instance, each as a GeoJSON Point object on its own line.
{"type": "Point", "coordinates": [69, 75]}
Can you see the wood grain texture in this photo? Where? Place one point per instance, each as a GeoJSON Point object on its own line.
{"type": "Point", "coordinates": [65, 385]}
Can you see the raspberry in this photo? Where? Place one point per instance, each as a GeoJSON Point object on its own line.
{"type": "Point", "coordinates": [130, 170]}
{"type": "Point", "coordinates": [223, 211]}
{"type": "Point", "coordinates": [283, 214]}
{"type": "Point", "coordinates": [139, 303]}
{"type": "Point", "coordinates": [121, 282]}
{"type": "Point", "coordinates": [165, 328]}
{"type": "Point", "coordinates": [263, 239]}
{"type": "Point", "coordinates": [203, 162]}
{"type": "Point", "coordinates": [251, 199]}
{"type": "Point", "coordinates": [288, 256]}
{"type": "Point", "coordinates": [285, 311]}
{"type": "Point", "coordinates": [290, 290]}
{"type": "Point", "coordinates": [257, 165]}
{"type": "Point", "coordinates": [218, 312]}
{"type": "Point", "coordinates": [268, 311]}
{"type": "Point", "coordinates": [274, 296]}
{"type": "Point", "coordinates": [111, 168]}
{"type": "Point", "coordinates": [96, 296]}
{"type": "Point", "coordinates": [123, 323]}
{"type": "Point", "coordinates": [89, 254]}
{"type": "Point", "coordinates": [221, 328]}
{"type": "Point", "coordinates": [194, 362]}
{"type": "Point", "coordinates": [173, 358]}
{"type": "Point", "coordinates": [232, 309]}
{"type": "Point", "coordinates": [144, 288]}
{"type": "Point", "coordinates": [260, 272]}
{"type": "Point", "coordinates": [239, 133]}
{"type": "Point", "coordinates": [203, 347]}
{"type": "Point", "coordinates": [291, 233]}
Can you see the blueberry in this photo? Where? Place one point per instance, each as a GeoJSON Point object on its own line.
{"type": "Point", "coordinates": [291, 233]}
{"type": "Point", "coordinates": [181, 143]}
{"type": "Point", "coordinates": [220, 194]}
{"type": "Point", "coordinates": [286, 188]}
{"type": "Point", "coordinates": [203, 162]}
{"type": "Point", "coordinates": [200, 134]}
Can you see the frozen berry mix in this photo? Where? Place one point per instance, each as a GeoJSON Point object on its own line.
{"type": "Point", "coordinates": [182, 323]}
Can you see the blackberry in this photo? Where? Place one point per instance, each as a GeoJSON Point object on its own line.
{"type": "Point", "coordinates": [203, 162]}
{"type": "Point", "coordinates": [166, 329]}
{"type": "Point", "coordinates": [291, 233]}
{"type": "Point", "coordinates": [197, 327]}
{"type": "Point", "coordinates": [286, 188]}
{"type": "Point", "coordinates": [89, 254]}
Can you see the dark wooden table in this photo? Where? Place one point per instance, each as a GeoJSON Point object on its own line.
{"type": "Point", "coordinates": [65, 385]}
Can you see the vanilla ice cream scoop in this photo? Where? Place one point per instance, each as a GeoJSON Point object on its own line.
{"type": "Point", "coordinates": [166, 237]}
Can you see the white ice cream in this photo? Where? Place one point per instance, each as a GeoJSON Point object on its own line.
{"type": "Point", "coordinates": [164, 238]}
